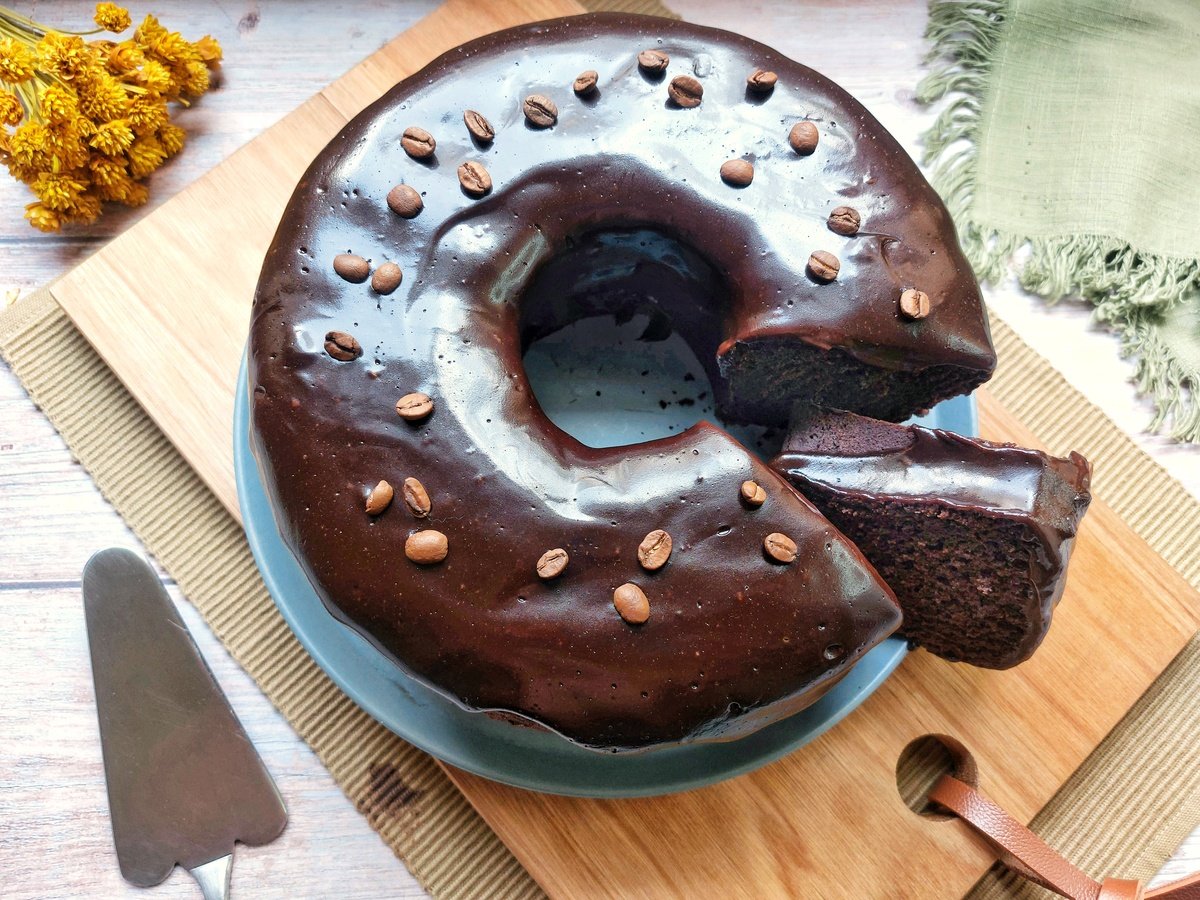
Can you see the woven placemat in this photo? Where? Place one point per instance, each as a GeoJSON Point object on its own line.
{"type": "Point", "coordinates": [1123, 812]}
{"type": "Point", "coordinates": [1129, 805]}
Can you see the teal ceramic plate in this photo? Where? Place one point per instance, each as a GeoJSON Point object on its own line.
{"type": "Point", "coordinates": [526, 757]}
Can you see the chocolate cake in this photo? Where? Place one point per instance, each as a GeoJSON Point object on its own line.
{"type": "Point", "coordinates": [603, 164]}
{"type": "Point", "coordinates": [972, 536]}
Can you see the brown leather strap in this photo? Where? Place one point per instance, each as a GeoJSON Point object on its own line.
{"type": "Point", "coordinates": [1020, 849]}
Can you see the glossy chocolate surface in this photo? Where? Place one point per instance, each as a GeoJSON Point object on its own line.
{"type": "Point", "coordinates": [1046, 495]}
{"type": "Point", "coordinates": [733, 641]}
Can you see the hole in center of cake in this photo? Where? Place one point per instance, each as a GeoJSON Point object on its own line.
{"type": "Point", "coordinates": [620, 330]}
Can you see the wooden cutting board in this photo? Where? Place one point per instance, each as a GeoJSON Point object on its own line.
{"type": "Point", "coordinates": [166, 304]}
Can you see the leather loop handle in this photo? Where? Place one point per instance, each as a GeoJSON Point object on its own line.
{"type": "Point", "coordinates": [1020, 849]}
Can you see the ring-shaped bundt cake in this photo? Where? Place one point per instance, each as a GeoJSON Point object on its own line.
{"type": "Point", "coordinates": [603, 164]}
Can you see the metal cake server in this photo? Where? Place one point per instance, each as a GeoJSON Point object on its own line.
{"type": "Point", "coordinates": [184, 781]}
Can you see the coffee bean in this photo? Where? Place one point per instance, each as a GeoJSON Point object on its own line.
{"type": "Point", "coordinates": [914, 304]}
{"type": "Point", "coordinates": [414, 407]}
{"type": "Point", "coordinates": [426, 547]}
{"type": "Point", "coordinates": [551, 563]}
{"type": "Point", "coordinates": [804, 137]}
{"type": "Point", "coordinates": [481, 129]}
{"type": "Point", "coordinates": [585, 82]}
{"type": "Point", "coordinates": [780, 547]}
{"type": "Point", "coordinates": [342, 347]}
{"type": "Point", "coordinates": [379, 499]}
{"type": "Point", "coordinates": [418, 143]}
{"type": "Point", "coordinates": [823, 266]}
{"type": "Point", "coordinates": [405, 201]}
{"type": "Point", "coordinates": [632, 604]}
{"type": "Point", "coordinates": [655, 550]}
{"type": "Point", "coordinates": [686, 91]}
{"type": "Point", "coordinates": [540, 111]}
{"type": "Point", "coordinates": [844, 220]}
{"type": "Point", "coordinates": [417, 498]}
{"type": "Point", "coordinates": [737, 172]}
{"type": "Point", "coordinates": [761, 81]}
{"type": "Point", "coordinates": [352, 267]}
{"type": "Point", "coordinates": [753, 494]}
{"type": "Point", "coordinates": [386, 278]}
{"type": "Point", "coordinates": [474, 178]}
{"type": "Point", "coordinates": [653, 61]}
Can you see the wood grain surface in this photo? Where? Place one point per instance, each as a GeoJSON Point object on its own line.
{"type": "Point", "coordinates": [53, 838]}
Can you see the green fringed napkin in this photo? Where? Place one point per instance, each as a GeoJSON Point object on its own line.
{"type": "Point", "coordinates": [1074, 129]}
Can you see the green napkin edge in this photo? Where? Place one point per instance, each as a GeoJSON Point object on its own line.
{"type": "Point", "coordinates": [1136, 293]}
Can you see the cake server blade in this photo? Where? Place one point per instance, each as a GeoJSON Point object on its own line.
{"type": "Point", "coordinates": [184, 781]}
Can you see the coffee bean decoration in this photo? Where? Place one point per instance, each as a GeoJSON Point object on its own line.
{"type": "Point", "coordinates": [417, 498]}
{"type": "Point", "coordinates": [823, 265]}
{"type": "Point", "coordinates": [481, 129]}
{"type": "Point", "coordinates": [552, 563]}
{"type": "Point", "coordinates": [342, 346]}
{"type": "Point", "coordinates": [804, 137]}
{"type": "Point", "coordinates": [654, 550]}
{"type": "Point", "coordinates": [653, 62]}
{"type": "Point", "coordinates": [540, 111]}
{"type": "Point", "coordinates": [752, 494]}
{"type": "Point", "coordinates": [386, 278]}
{"type": "Point", "coordinates": [844, 220]}
{"type": "Point", "coordinates": [737, 172]}
{"type": "Point", "coordinates": [762, 81]}
{"type": "Point", "coordinates": [414, 407]}
{"type": "Point", "coordinates": [632, 603]}
{"type": "Point", "coordinates": [352, 267]}
{"type": "Point", "coordinates": [780, 547]}
{"type": "Point", "coordinates": [585, 82]}
{"type": "Point", "coordinates": [426, 547]}
{"type": "Point", "coordinates": [685, 91]}
{"type": "Point", "coordinates": [405, 202]}
{"type": "Point", "coordinates": [379, 498]}
{"type": "Point", "coordinates": [417, 142]}
{"type": "Point", "coordinates": [474, 178]}
{"type": "Point", "coordinates": [914, 304]}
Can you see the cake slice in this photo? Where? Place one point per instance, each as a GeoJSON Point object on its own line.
{"type": "Point", "coordinates": [972, 536]}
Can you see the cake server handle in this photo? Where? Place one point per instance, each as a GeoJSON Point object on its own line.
{"type": "Point", "coordinates": [213, 877]}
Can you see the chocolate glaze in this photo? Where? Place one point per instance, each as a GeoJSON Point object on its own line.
{"type": "Point", "coordinates": [848, 455]}
{"type": "Point", "coordinates": [733, 641]}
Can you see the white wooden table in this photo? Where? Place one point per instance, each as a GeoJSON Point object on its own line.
{"type": "Point", "coordinates": [54, 830]}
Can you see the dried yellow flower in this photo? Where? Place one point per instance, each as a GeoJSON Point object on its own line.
{"type": "Point", "coordinates": [196, 81]}
{"type": "Point", "coordinates": [147, 113]}
{"type": "Point", "coordinates": [112, 18]}
{"type": "Point", "coordinates": [148, 31]}
{"type": "Point", "coordinates": [125, 57]}
{"type": "Point", "coordinates": [42, 218]}
{"type": "Point", "coordinates": [92, 119]}
{"type": "Point", "coordinates": [172, 138]}
{"type": "Point", "coordinates": [17, 61]}
{"type": "Point", "coordinates": [64, 55]}
{"type": "Point", "coordinates": [209, 50]}
{"type": "Point", "coordinates": [107, 170]}
{"type": "Point", "coordinates": [11, 110]}
{"type": "Point", "coordinates": [117, 188]}
{"type": "Point", "coordinates": [170, 47]}
{"type": "Point", "coordinates": [59, 105]}
{"type": "Point", "coordinates": [102, 98]}
{"type": "Point", "coordinates": [145, 155]}
{"type": "Point", "coordinates": [85, 211]}
{"type": "Point", "coordinates": [58, 192]}
{"type": "Point", "coordinates": [113, 138]}
{"type": "Point", "coordinates": [154, 76]}
{"type": "Point", "coordinates": [138, 195]}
